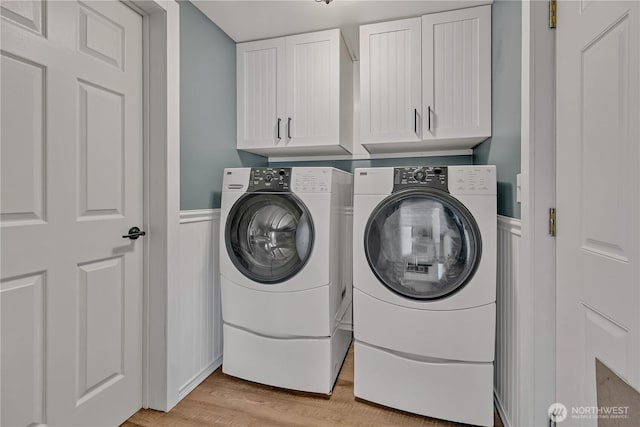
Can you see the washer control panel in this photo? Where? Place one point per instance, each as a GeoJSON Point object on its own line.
{"type": "Point", "coordinates": [270, 179]}
{"type": "Point", "coordinates": [427, 176]}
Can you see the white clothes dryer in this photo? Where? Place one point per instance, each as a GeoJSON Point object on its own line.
{"type": "Point", "coordinates": [425, 289]}
{"type": "Point", "coordinates": [286, 275]}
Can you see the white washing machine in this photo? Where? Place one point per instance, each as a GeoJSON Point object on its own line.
{"type": "Point", "coordinates": [286, 275]}
{"type": "Point", "coordinates": [425, 289]}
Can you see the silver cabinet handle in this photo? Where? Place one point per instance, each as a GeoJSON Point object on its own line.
{"type": "Point", "coordinates": [289, 127]}
{"type": "Point", "coordinates": [279, 120]}
{"type": "Point", "coordinates": [415, 120]}
{"type": "Point", "coordinates": [429, 118]}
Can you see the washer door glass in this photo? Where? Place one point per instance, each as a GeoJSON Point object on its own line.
{"type": "Point", "coordinates": [269, 236]}
{"type": "Point", "coordinates": [423, 244]}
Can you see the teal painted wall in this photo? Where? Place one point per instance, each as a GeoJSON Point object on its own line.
{"type": "Point", "coordinates": [207, 110]}
{"type": "Point", "coordinates": [503, 148]}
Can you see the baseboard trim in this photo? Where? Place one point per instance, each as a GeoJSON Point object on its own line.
{"type": "Point", "coordinates": [501, 412]}
{"type": "Point", "coordinates": [198, 378]}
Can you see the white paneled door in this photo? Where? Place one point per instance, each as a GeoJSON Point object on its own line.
{"type": "Point", "coordinates": [598, 192]}
{"type": "Point", "coordinates": [71, 184]}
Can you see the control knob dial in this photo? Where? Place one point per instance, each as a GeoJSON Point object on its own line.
{"type": "Point", "coordinates": [419, 175]}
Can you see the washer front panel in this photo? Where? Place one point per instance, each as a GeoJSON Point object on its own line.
{"type": "Point", "coordinates": [422, 243]}
{"type": "Point", "coordinates": [269, 236]}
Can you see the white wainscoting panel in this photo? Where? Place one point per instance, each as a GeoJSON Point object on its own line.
{"type": "Point", "coordinates": [506, 381]}
{"type": "Point", "coordinates": [199, 310]}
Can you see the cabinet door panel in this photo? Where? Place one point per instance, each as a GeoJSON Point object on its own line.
{"type": "Point", "coordinates": [456, 73]}
{"type": "Point", "coordinates": [312, 84]}
{"type": "Point", "coordinates": [390, 86]}
{"type": "Point", "coordinates": [260, 93]}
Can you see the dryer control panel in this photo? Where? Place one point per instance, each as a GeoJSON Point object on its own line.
{"type": "Point", "coordinates": [427, 176]}
{"type": "Point", "coordinates": [477, 180]}
{"type": "Point", "coordinates": [270, 179]}
{"type": "Point", "coordinates": [312, 180]}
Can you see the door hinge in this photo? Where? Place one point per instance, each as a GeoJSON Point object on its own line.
{"type": "Point", "coordinates": [553, 8]}
{"type": "Point", "coordinates": [552, 222]}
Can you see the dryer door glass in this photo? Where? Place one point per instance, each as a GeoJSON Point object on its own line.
{"type": "Point", "coordinates": [423, 244]}
{"type": "Point", "coordinates": [269, 236]}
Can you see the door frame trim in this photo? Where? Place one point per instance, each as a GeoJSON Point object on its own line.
{"type": "Point", "coordinates": [537, 280]}
{"type": "Point", "coordinates": [161, 186]}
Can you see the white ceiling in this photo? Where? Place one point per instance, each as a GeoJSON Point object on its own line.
{"type": "Point", "coordinates": [245, 20]}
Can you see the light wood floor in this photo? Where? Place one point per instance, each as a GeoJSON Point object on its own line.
{"type": "Point", "coordinates": [222, 400]}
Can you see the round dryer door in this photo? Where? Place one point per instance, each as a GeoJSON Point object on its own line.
{"type": "Point", "coordinates": [269, 236]}
{"type": "Point", "coordinates": [423, 244]}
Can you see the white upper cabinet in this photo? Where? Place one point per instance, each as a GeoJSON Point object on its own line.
{"type": "Point", "coordinates": [295, 95]}
{"type": "Point", "coordinates": [312, 88]}
{"type": "Point", "coordinates": [456, 76]}
{"type": "Point", "coordinates": [259, 79]}
{"type": "Point", "coordinates": [425, 83]}
{"type": "Point", "coordinates": [390, 81]}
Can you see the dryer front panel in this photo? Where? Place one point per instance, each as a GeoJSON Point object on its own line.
{"type": "Point", "coordinates": [269, 236]}
{"type": "Point", "coordinates": [422, 244]}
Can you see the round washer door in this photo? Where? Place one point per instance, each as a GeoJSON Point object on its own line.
{"type": "Point", "coordinates": [269, 236]}
{"type": "Point", "coordinates": [423, 244]}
